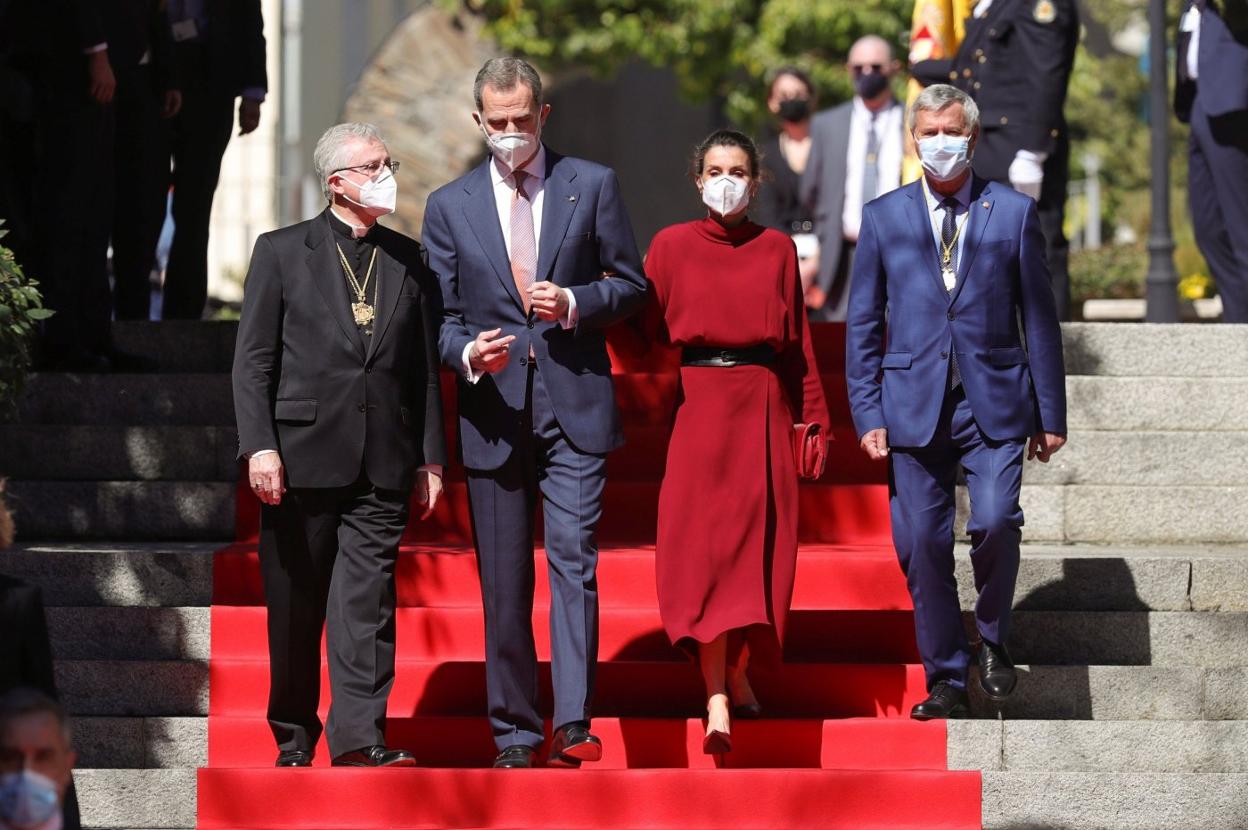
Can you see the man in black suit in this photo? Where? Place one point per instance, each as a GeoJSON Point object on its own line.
{"type": "Point", "coordinates": [1211, 94]}
{"type": "Point", "coordinates": [1015, 61]}
{"type": "Point", "coordinates": [220, 51]}
{"type": "Point", "coordinates": [140, 50]}
{"type": "Point", "coordinates": [337, 397]}
{"type": "Point", "coordinates": [59, 88]}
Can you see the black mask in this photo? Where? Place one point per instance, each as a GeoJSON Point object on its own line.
{"type": "Point", "coordinates": [794, 110]}
{"type": "Point", "coordinates": [870, 85]}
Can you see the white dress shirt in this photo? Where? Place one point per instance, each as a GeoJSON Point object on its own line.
{"type": "Point", "coordinates": [961, 212]}
{"type": "Point", "coordinates": [1191, 23]}
{"type": "Point", "coordinates": [888, 160]}
{"type": "Point", "coordinates": [504, 195]}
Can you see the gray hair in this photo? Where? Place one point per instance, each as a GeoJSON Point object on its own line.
{"type": "Point", "coordinates": [332, 150]}
{"type": "Point", "coordinates": [938, 96]}
{"type": "Point", "coordinates": [504, 74]}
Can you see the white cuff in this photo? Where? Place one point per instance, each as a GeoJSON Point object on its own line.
{"type": "Point", "coordinates": [470, 375]}
{"type": "Point", "coordinates": [436, 469]}
{"type": "Point", "coordinates": [1031, 155]}
{"type": "Point", "coordinates": [259, 453]}
{"type": "Point", "coordinates": [569, 320]}
{"type": "Point", "coordinates": [96, 49]}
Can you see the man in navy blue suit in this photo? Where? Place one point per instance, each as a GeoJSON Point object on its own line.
{"type": "Point", "coordinates": [1211, 94]}
{"type": "Point", "coordinates": [942, 377]}
{"type": "Point", "coordinates": [536, 257]}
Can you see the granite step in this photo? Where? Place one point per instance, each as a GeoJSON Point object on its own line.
{"type": "Point", "coordinates": [120, 453]}
{"type": "Point", "coordinates": [128, 400]}
{"type": "Point", "coordinates": [148, 510]}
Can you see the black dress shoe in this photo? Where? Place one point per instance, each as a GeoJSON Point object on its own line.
{"type": "Point", "coordinates": [376, 756]}
{"type": "Point", "coordinates": [944, 701]}
{"type": "Point", "coordinates": [747, 711]}
{"type": "Point", "coordinates": [572, 744]}
{"type": "Point", "coordinates": [518, 756]}
{"type": "Point", "coordinates": [294, 758]}
{"type": "Point", "coordinates": [996, 671]}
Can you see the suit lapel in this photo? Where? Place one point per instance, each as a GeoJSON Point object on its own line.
{"type": "Point", "coordinates": [921, 225]}
{"type": "Point", "coordinates": [559, 201]}
{"type": "Point", "coordinates": [481, 215]}
{"type": "Point", "coordinates": [977, 216]}
{"type": "Point", "coordinates": [326, 270]}
{"type": "Point", "coordinates": [389, 278]}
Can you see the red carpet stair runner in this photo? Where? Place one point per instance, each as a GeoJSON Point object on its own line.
{"type": "Point", "coordinates": [835, 750]}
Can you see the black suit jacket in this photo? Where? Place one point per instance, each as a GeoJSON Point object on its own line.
{"type": "Point", "coordinates": [136, 28]}
{"type": "Point", "coordinates": [306, 384]}
{"type": "Point", "coordinates": [236, 45]}
{"type": "Point", "coordinates": [1015, 62]}
{"type": "Point", "coordinates": [25, 652]}
{"type": "Point", "coordinates": [1222, 64]}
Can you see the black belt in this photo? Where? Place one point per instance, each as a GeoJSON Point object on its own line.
{"type": "Point", "coordinates": [760, 355]}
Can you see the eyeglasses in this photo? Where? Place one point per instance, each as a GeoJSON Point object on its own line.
{"type": "Point", "coordinates": [372, 168]}
{"type": "Point", "coordinates": [858, 68]}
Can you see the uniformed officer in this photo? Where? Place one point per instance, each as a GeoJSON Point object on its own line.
{"type": "Point", "coordinates": [1015, 62]}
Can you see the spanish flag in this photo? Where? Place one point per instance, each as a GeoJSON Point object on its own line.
{"type": "Point", "coordinates": [936, 29]}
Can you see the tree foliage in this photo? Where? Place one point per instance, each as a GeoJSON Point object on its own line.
{"type": "Point", "coordinates": [718, 50]}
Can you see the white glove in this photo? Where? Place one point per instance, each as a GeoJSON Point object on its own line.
{"type": "Point", "coordinates": [1027, 173]}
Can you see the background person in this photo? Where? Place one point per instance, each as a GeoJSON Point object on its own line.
{"type": "Point", "coordinates": [791, 100]}
{"type": "Point", "coordinates": [726, 291]}
{"type": "Point", "coordinates": [856, 155]}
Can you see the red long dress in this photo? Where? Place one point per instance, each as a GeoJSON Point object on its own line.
{"type": "Point", "coordinates": [727, 531]}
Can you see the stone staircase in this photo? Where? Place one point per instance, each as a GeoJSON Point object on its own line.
{"type": "Point", "coordinates": [1132, 621]}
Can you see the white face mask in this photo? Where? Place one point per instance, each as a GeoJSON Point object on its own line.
{"type": "Point", "coordinates": [725, 194]}
{"type": "Point", "coordinates": [511, 149]}
{"type": "Point", "coordinates": [945, 157]}
{"type": "Point", "coordinates": [380, 195]}
{"type": "Point", "coordinates": [28, 800]}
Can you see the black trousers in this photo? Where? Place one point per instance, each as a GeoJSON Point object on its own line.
{"type": "Point", "coordinates": [327, 556]}
{"type": "Point", "coordinates": [993, 156]}
{"type": "Point", "coordinates": [198, 137]}
{"type": "Point", "coordinates": [71, 209]}
{"type": "Point", "coordinates": [1217, 182]}
{"type": "Point", "coordinates": [141, 179]}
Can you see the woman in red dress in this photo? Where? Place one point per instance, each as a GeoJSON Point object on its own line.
{"type": "Point", "coordinates": [727, 293]}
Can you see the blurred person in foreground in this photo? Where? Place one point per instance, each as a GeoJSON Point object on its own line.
{"type": "Point", "coordinates": [856, 153]}
{"type": "Point", "coordinates": [726, 292]}
{"type": "Point", "coordinates": [339, 410]}
{"type": "Point", "coordinates": [36, 762]}
{"type": "Point", "coordinates": [954, 364]}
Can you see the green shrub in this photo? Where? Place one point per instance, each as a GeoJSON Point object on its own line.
{"type": "Point", "coordinates": [1112, 272]}
{"type": "Point", "coordinates": [21, 307]}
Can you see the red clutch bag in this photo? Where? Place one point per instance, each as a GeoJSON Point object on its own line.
{"type": "Point", "coordinates": [810, 451]}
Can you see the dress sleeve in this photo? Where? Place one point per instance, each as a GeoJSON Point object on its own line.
{"type": "Point", "coordinates": [652, 322]}
{"type": "Point", "coordinates": [799, 371]}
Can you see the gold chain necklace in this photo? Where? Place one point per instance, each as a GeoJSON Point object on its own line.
{"type": "Point", "coordinates": [361, 310]}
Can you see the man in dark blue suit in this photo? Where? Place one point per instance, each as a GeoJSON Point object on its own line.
{"type": "Point", "coordinates": [1211, 94]}
{"type": "Point", "coordinates": [952, 264]}
{"type": "Point", "coordinates": [536, 257]}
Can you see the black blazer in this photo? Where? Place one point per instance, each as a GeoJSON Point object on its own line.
{"type": "Point", "coordinates": [25, 652]}
{"type": "Point", "coordinates": [1015, 62]}
{"type": "Point", "coordinates": [1222, 64]}
{"type": "Point", "coordinates": [306, 384]}
{"type": "Point", "coordinates": [236, 45]}
{"type": "Point", "coordinates": [138, 27]}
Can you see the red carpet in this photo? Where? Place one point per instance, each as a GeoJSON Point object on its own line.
{"type": "Point", "coordinates": [835, 751]}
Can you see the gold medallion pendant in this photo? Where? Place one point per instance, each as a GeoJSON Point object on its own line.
{"type": "Point", "coordinates": [949, 277]}
{"type": "Point", "coordinates": [363, 314]}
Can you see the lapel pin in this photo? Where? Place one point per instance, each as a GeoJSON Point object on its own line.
{"type": "Point", "coordinates": [571, 198]}
{"type": "Point", "coordinates": [985, 204]}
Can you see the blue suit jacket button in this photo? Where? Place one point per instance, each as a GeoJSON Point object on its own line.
{"type": "Point", "coordinates": [951, 315]}
{"type": "Point", "coordinates": [944, 355]}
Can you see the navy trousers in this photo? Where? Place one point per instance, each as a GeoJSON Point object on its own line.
{"type": "Point", "coordinates": [922, 485]}
{"type": "Point", "coordinates": [503, 504]}
{"type": "Point", "coordinates": [1217, 184]}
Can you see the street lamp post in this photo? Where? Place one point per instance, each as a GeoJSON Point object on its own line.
{"type": "Point", "coordinates": [1162, 281]}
